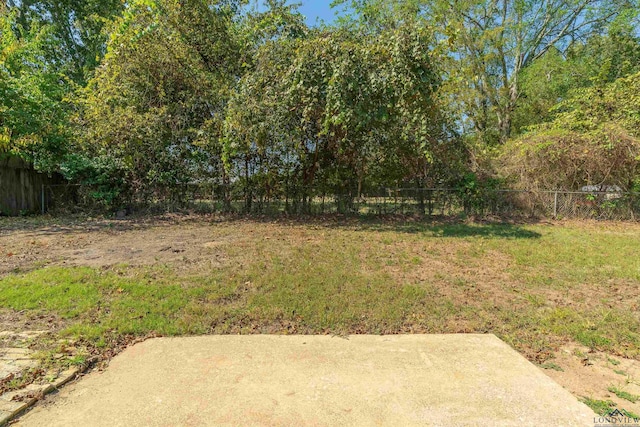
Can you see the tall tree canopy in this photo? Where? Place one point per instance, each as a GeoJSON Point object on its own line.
{"type": "Point", "coordinates": [76, 28]}
{"type": "Point", "coordinates": [600, 59]}
{"type": "Point", "coordinates": [157, 102]}
{"type": "Point", "coordinates": [48, 49]}
{"type": "Point", "coordinates": [143, 97]}
{"type": "Point", "coordinates": [335, 109]}
{"type": "Point", "coordinates": [491, 42]}
{"type": "Point", "coordinates": [33, 109]}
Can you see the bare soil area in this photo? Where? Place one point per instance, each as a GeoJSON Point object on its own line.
{"type": "Point", "coordinates": [597, 375]}
{"type": "Point", "coordinates": [175, 241]}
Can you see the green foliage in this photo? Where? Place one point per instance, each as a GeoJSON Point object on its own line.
{"type": "Point", "coordinates": [477, 192]}
{"type": "Point", "coordinates": [488, 44]}
{"type": "Point", "coordinates": [544, 83]}
{"type": "Point", "coordinates": [338, 110]}
{"type": "Point", "coordinates": [47, 48]}
{"type": "Point", "coordinates": [594, 139]}
{"type": "Point", "coordinates": [33, 108]}
{"type": "Point", "coordinates": [278, 21]}
{"type": "Point", "coordinates": [76, 28]}
{"type": "Point", "coordinates": [602, 59]}
{"type": "Point", "coordinates": [137, 99]}
{"type": "Point", "coordinates": [155, 106]}
{"type": "Point", "coordinates": [103, 176]}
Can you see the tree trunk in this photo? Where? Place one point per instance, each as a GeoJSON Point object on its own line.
{"type": "Point", "coordinates": [247, 189]}
{"type": "Point", "coordinates": [505, 119]}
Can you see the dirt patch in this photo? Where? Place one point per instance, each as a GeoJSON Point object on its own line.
{"type": "Point", "coordinates": [593, 374]}
{"type": "Point", "coordinates": [186, 244]}
{"type": "Point", "coordinates": [18, 321]}
{"type": "Point", "coordinates": [109, 243]}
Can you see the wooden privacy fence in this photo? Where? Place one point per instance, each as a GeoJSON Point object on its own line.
{"type": "Point", "coordinates": [21, 187]}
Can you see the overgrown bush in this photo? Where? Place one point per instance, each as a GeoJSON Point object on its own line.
{"type": "Point", "coordinates": [594, 139]}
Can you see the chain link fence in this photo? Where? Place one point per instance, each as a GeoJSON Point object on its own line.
{"type": "Point", "coordinates": [620, 206]}
{"type": "Point", "coordinates": [427, 202]}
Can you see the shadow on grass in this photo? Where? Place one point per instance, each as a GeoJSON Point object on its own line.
{"type": "Point", "coordinates": [440, 227]}
{"type": "Point", "coordinates": [497, 231]}
{"type": "Point", "coordinates": [505, 231]}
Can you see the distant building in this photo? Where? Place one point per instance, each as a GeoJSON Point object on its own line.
{"type": "Point", "coordinates": [610, 192]}
{"type": "Point", "coordinates": [601, 189]}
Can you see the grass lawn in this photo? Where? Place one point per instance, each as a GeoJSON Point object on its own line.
{"type": "Point", "coordinates": [536, 286]}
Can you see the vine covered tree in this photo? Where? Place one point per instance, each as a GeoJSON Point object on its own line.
{"type": "Point", "coordinates": [338, 111]}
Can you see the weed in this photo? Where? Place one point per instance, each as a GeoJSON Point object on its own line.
{"type": "Point", "coordinates": [551, 365]}
{"type": "Point", "coordinates": [600, 407]}
{"type": "Point", "coordinates": [614, 362]}
{"type": "Point", "coordinates": [624, 395]}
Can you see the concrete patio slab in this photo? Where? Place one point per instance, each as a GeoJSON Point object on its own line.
{"type": "Point", "coordinates": [439, 380]}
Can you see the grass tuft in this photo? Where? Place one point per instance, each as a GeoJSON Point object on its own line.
{"type": "Point", "coordinates": [624, 395]}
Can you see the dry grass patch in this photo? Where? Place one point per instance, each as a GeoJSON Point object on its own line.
{"type": "Point", "coordinates": [537, 286]}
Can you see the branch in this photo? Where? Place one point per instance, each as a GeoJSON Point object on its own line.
{"type": "Point", "coordinates": [563, 32]}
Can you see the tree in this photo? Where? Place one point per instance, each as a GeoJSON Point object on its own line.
{"type": "Point", "coordinates": [157, 101]}
{"type": "Point", "coordinates": [337, 110]}
{"type": "Point", "coordinates": [599, 60]}
{"type": "Point", "coordinates": [593, 139]}
{"type": "Point", "coordinates": [33, 108]}
{"type": "Point", "coordinates": [76, 29]}
{"type": "Point", "coordinates": [491, 42]}
{"type": "Point", "coordinates": [47, 49]}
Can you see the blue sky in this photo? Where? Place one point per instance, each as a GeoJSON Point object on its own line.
{"type": "Point", "coordinates": [315, 9]}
